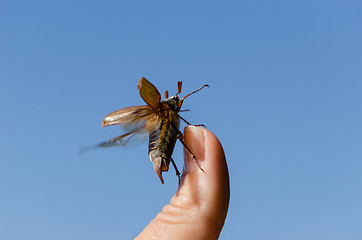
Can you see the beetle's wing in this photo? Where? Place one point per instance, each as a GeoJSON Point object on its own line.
{"type": "Point", "coordinates": [128, 116]}
{"type": "Point", "coordinates": [134, 136]}
{"type": "Point", "coordinates": [138, 120]}
{"type": "Point", "coordinates": [125, 138]}
{"type": "Point", "coordinates": [149, 93]}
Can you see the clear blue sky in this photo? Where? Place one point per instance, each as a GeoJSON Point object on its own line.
{"type": "Point", "coordinates": [284, 99]}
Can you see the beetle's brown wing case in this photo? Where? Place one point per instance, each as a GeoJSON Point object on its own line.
{"type": "Point", "coordinates": [149, 93]}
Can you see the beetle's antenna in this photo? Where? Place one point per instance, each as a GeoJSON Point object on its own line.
{"type": "Point", "coordinates": [166, 94]}
{"type": "Point", "coordinates": [179, 86]}
{"type": "Point", "coordinates": [182, 99]}
{"type": "Point", "coordinates": [194, 92]}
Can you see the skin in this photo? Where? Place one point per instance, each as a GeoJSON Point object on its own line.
{"type": "Point", "coordinates": [199, 207]}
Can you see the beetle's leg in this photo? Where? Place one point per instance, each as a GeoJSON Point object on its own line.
{"type": "Point", "coordinates": [177, 172]}
{"type": "Point", "coordinates": [198, 125]}
{"type": "Point", "coordinates": [180, 137]}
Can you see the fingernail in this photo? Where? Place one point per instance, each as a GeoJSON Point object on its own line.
{"type": "Point", "coordinates": [194, 140]}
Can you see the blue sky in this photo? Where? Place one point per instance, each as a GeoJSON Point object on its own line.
{"type": "Point", "coordinates": [284, 99]}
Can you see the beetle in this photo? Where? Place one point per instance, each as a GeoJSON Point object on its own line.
{"type": "Point", "coordinates": [159, 118]}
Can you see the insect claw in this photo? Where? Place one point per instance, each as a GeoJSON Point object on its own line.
{"type": "Point", "coordinates": [194, 157]}
{"type": "Point", "coordinates": [179, 179]}
{"type": "Point", "coordinates": [199, 125]}
{"type": "Point", "coordinates": [176, 170]}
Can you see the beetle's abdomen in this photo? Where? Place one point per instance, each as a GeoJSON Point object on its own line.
{"type": "Point", "coordinates": [161, 144]}
{"type": "Point", "coordinates": [154, 140]}
{"type": "Point", "coordinates": [163, 141]}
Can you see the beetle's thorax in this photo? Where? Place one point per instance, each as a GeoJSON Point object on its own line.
{"type": "Point", "coordinates": [172, 102]}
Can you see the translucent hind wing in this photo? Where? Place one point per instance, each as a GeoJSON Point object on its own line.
{"type": "Point", "coordinates": [124, 139]}
{"type": "Point", "coordinates": [128, 116]}
{"type": "Point", "coordinates": [137, 121]}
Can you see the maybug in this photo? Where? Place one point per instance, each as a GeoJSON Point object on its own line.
{"type": "Point", "coordinates": [160, 119]}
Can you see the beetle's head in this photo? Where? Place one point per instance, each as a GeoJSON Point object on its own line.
{"type": "Point", "coordinates": [175, 102]}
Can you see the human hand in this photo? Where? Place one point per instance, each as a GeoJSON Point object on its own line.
{"type": "Point", "coordinates": [199, 207]}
